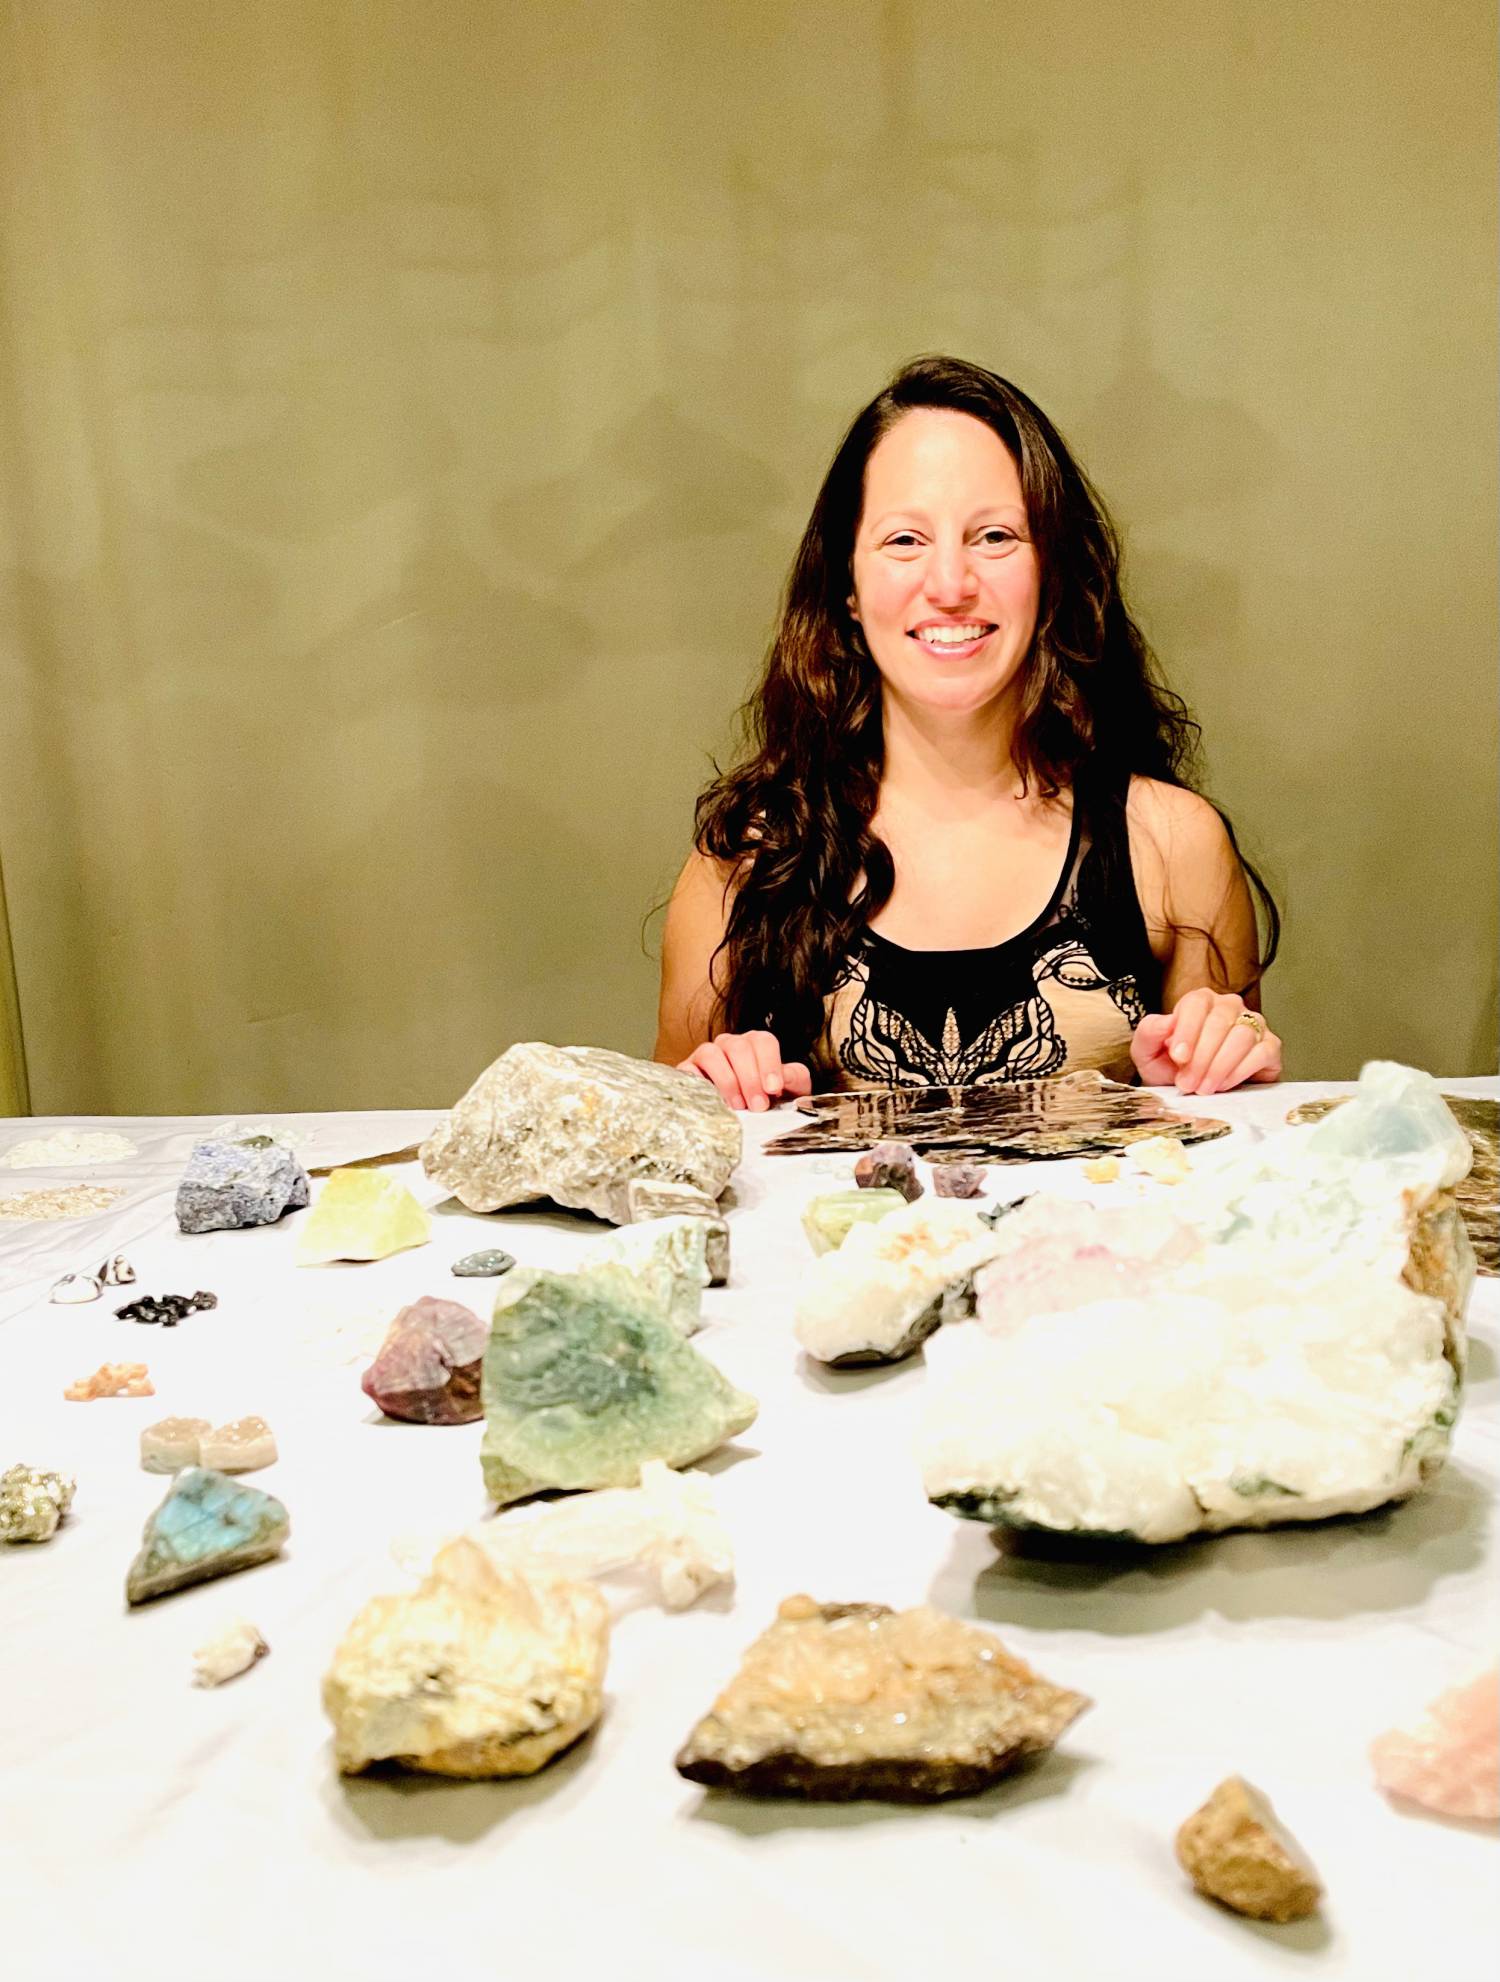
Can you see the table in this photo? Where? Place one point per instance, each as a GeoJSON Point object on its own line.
{"type": "Point", "coordinates": [148, 1828]}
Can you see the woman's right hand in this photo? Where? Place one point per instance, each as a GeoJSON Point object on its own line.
{"type": "Point", "coordinates": [748, 1070]}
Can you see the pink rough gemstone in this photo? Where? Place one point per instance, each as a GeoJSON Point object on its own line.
{"type": "Point", "coordinates": [1451, 1760]}
{"type": "Point", "coordinates": [429, 1366]}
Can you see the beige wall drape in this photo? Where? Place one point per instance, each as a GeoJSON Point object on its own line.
{"type": "Point", "coordinates": [407, 414]}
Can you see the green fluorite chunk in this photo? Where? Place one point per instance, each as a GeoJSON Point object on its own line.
{"type": "Point", "coordinates": [828, 1220]}
{"type": "Point", "coordinates": [207, 1526]}
{"type": "Point", "coordinates": [585, 1380]}
{"type": "Point", "coordinates": [361, 1214]}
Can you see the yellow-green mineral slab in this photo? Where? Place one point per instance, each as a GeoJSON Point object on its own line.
{"type": "Point", "coordinates": [361, 1214]}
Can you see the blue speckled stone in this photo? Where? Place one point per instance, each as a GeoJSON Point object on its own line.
{"type": "Point", "coordinates": [228, 1184]}
{"type": "Point", "coordinates": [207, 1526]}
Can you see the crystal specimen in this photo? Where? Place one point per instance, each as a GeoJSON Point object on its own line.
{"type": "Point", "coordinates": [476, 1673]}
{"type": "Point", "coordinates": [1077, 1114]}
{"type": "Point", "coordinates": [428, 1367]}
{"type": "Point", "coordinates": [1235, 1851]}
{"type": "Point", "coordinates": [1286, 1344]}
{"type": "Point", "coordinates": [837, 1701]}
{"type": "Point", "coordinates": [648, 1197]}
{"type": "Point", "coordinates": [668, 1526]}
{"type": "Point", "coordinates": [958, 1179]}
{"type": "Point", "coordinates": [171, 1445]}
{"type": "Point", "coordinates": [242, 1446]}
{"type": "Point", "coordinates": [117, 1272]}
{"type": "Point", "coordinates": [111, 1380]}
{"type": "Point", "coordinates": [890, 1284]}
{"type": "Point", "coordinates": [65, 1201]}
{"type": "Point", "coordinates": [33, 1503]}
{"type": "Point", "coordinates": [486, 1265]}
{"type": "Point", "coordinates": [669, 1256]}
{"type": "Point", "coordinates": [577, 1124]}
{"type": "Point", "coordinates": [66, 1147]}
{"type": "Point", "coordinates": [1450, 1761]}
{"type": "Point", "coordinates": [890, 1166]}
{"type": "Point", "coordinates": [75, 1288]}
{"type": "Point", "coordinates": [230, 1184]}
{"type": "Point", "coordinates": [585, 1380]}
{"type": "Point", "coordinates": [1161, 1158]}
{"type": "Point", "coordinates": [230, 1652]}
{"type": "Point", "coordinates": [361, 1214]}
{"type": "Point", "coordinates": [829, 1219]}
{"type": "Point", "coordinates": [208, 1525]}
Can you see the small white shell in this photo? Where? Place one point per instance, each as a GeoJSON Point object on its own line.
{"type": "Point", "coordinates": [117, 1272]}
{"type": "Point", "coordinates": [74, 1288]}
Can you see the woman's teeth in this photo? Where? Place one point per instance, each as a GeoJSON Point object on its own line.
{"type": "Point", "coordinates": [951, 636]}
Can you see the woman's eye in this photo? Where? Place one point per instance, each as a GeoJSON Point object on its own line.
{"type": "Point", "coordinates": [904, 540]}
{"type": "Point", "coordinates": [998, 539]}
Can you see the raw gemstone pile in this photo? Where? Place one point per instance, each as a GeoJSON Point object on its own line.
{"type": "Point", "coordinates": [669, 1256]}
{"type": "Point", "coordinates": [890, 1166]}
{"type": "Point", "coordinates": [849, 1700]}
{"type": "Point", "coordinates": [585, 1380]}
{"type": "Point", "coordinates": [890, 1284]}
{"type": "Point", "coordinates": [230, 1184]}
{"type": "Point", "coordinates": [477, 1673]}
{"type": "Point", "coordinates": [33, 1503]}
{"type": "Point", "coordinates": [361, 1214]}
{"type": "Point", "coordinates": [207, 1526]}
{"type": "Point", "coordinates": [1286, 1343]}
{"type": "Point", "coordinates": [1450, 1761]}
{"type": "Point", "coordinates": [111, 1380]}
{"type": "Point", "coordinates": [578, 1124]}
{"type": "Point", "coordinates": [428, 1368]}
{"type": "Point", "coordinates": [829, 1219]}
{"type": "Point", "coordinates": [168, 1309]}
{"type": "Point", "coordinates": [1235, 1851]}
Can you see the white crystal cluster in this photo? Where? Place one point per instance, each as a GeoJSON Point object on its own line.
{"type": "Point", "coordinates": [1285, 1342]}
{"type": "Point", "coordinates": [889, 1284]}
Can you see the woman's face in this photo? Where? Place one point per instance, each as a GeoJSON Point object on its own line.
{"type": "Point", "coordinates": [946, 581]}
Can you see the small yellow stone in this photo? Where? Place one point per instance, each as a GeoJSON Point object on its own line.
{"type": "Point", "coordinates": [1102, 1169]}
{"type": "Point", "coordinates": [361, 1214]}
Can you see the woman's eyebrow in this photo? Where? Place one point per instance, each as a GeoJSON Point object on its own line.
{"type": "Point", "coordinates": [921, 516]}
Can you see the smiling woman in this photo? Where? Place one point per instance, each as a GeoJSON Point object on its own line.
{"type": "Point", "coordinates": [963, 845]}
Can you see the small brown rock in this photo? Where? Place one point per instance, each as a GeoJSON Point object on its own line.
{"type": "Point", "coordinates": [890, 1166]}
{"type": "Point", "coordinates": [958, 1179]}
{"type": "Point", "coordinates": [1236, 1852]}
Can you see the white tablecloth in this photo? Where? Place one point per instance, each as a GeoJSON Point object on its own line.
{"type": "Point", "coordinates": [151, 1829]}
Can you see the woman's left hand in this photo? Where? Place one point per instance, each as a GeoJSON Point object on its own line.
{"type": "Point", "coordinates": [1209, 1041]}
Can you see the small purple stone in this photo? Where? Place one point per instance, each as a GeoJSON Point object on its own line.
{"type": "Point", "coordinates": [958, 1179]}
{"type": "Point", "coordinates": [890, 1166]}
{"type": "Point", "coordinates": [429, 1366]}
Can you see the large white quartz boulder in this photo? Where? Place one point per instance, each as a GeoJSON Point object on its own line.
{"type": "Point", "coordinates": [890, 1284]}
{"type": "Point", "coordinates": [579, 1124]}
{"type": "Point", "coordinates": [1283, 1344]}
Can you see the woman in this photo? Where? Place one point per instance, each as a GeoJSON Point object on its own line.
{"type": "Point", "coordinates": [964, 845]}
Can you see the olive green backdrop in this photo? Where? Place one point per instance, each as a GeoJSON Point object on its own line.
{"type": "Point", "coordinates": [407, 413]}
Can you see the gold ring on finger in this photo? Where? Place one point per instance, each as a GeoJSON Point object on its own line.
{"type": "Point", "coordinates": [1254, 1020]}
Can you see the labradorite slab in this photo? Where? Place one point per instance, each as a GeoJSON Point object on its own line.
{"type": "Point", "coordinates": [208, 1525]}
{"type": "Point", "coordinates": [585, 1379]}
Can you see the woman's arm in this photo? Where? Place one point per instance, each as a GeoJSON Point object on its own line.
{"type": "Point", "coordinates": [1201, 924]}
{"type": "Point", "coordinates": [746, 1067]}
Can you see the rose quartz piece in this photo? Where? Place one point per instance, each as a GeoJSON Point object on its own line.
{"type": "Point", "coordinates": [1450, 1761]}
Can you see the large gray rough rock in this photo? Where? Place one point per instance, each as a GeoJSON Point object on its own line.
{"type": "Point", "coordinates": [577, 1124]}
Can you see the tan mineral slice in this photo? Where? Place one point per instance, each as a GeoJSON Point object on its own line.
{"type": "Point", "coordinates": [479, 1672]}
{"type": "Point", "coordinates": [1236, 1852]}
{"type": "Point", "coordinates": [838, 1701]}
{"type": "Point", "coordinates": [171, 1444]}
{"type": "Point", "coordinates": [243, 1446]}
{"type": "Point", "coordinates": [111, 1380]}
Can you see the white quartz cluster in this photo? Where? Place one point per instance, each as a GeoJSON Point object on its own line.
{"type": "Point", "coordinates": [1284, 1342]}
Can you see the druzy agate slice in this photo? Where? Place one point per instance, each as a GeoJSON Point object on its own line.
{"type": "Point", "coordinates": [362, 1215]}
{"type": "Point", "coordinates": [208, 1525]}
{"type": "Point", "coordinates": [231, 1184]}
{"type": "Point", "coordinates": [173, 1444]}
{"type": "Point", "coordinates": [477, 1673]}
{"type": "Point", "coordinates": [1284, 1342]}
{"type": "Point", "coordinates": [427, 1371]}
{"type": "Point", "coordinates": [838, 1701]}
{"type": "Point", "coordinates": [578, 1124]}
{"type": "Point", "coordinates": [1235, 1851]}
{"type": "Point", "coordinates": [585, 1379]}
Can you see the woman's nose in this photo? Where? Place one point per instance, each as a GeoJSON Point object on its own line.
{"type": "Point", "coordinates": [951, 578]}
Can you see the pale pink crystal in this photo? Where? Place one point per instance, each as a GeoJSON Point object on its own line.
{"type": "Point", "coordinates": [1450, 1761]}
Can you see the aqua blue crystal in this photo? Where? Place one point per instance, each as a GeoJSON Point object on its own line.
{"type": "Point", "coordinates": [208, 1525]}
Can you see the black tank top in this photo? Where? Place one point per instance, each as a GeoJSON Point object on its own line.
{"type": "Point", "coordinates": [1068, 992]}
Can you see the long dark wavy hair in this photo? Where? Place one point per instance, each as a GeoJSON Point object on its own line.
{"type": "Point", "coordinates": [793, 816]}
